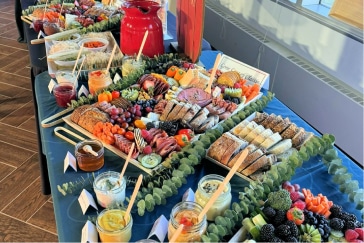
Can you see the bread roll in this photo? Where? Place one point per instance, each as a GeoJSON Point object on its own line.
{"type": "Point", "coordinates": [268, 120]}
{"type": "Point", "coordinates": [290, 131]}
{"type": "Point", "coordinates": [253, 156]}
{"type": "Point", "coordinates": [299, 137]}
{"type": "Point", "coordinates": [260, 117]}
{"type": "Point", "coordinates": [259, 163]}
{"type": "Point", "coordinates": [280, 127]}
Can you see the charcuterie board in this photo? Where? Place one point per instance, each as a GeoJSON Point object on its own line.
{"type": "Point", "coordinates": [112, 148]}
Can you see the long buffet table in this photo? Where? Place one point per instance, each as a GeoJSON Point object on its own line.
{"type": "Point", "coordinates": [69, 218]}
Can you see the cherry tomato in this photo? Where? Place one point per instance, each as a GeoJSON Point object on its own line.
{"type": "Point", "coordinates": [129, 135]}
{"type": "Point", "coordinates": [115, 94]}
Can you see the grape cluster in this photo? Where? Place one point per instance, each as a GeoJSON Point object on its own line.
{"type": "Point", "coordinates": [320, 223]}
{"type": "Point", "coordinates": [125, 118]}
{"type": "Point", "coordinates": [145, 106]}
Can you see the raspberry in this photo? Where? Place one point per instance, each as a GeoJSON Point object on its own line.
{"type": "Point", "coordinates": [299, 204]}
{"type": "Point", "coordinates": [351, 235]}
{"type": "Point", "coordinates": [356, 241]}
{"type": "Point", "coordinates": [147, 149]}
{"type": "Point", "coordinates": [360, 231]}
{"type": "Point", "coordinates": [294, 196]}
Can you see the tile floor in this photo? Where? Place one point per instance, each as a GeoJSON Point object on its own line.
{"type": "Point", "coordinates": [25, 213]}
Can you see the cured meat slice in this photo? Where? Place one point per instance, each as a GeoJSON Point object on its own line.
{"type": "Point", "coordinates": [195, 96]}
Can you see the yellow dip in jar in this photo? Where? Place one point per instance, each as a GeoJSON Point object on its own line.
{"type": "Point", "coordinates": [114, 226]}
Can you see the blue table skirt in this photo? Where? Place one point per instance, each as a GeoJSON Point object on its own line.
{"type": "Point", "coordinates": [69, 218]}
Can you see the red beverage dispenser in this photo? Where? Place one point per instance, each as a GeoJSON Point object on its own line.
{"type": "Point", "coordinates": [140, 16]}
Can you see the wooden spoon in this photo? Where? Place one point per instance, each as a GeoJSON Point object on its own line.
{"type": "Point", "coordinates": [88, 149]}
{"type": "Point", "coordinates": [223, 184]}
{"type": "Point", "coordinates": [213, 73]}
{"type": "Point", "coordinates": [133, 197]}
{"type": "Point", "coordinates": [127, 161]}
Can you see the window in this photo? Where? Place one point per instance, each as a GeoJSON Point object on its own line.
{"type": "Point", "coordinates": [321, 7]}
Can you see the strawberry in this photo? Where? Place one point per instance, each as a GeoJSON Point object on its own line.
{"type": "Point", "coordinates": [296, 215]}
{"type": "Point", "coordinates": [294, 196]}
{"type": "Point", "coordinates": [237, 85]}
{"type": "Point", "coordinates": [147, 84]}
{"type": "Point", "coordinates": [299, 204]}
{"type": "Point", "coordinates": [360, 231]}
{"type": "Point", "coordinates": [351, 235]}
{"type": "Point", "coordinates": [147, 149]}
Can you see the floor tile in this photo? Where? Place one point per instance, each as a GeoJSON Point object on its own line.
{"type": "Point", "coordinates": [14, 155]}
{"type": "Point", "coordinates": [5, 170]}
{"type": "Point", "coordinates": [20, 179]}
{"type": "Point", "coordinates": [34, 199]}
{"type": "Point", "coordinates": [17, 117]}
{"type": "Point", "coordinates": [29, 125]}
{"type": "Point", "coordinates": [44, 218]}
{"type": "Point", "coordinates": [13, 230]}
{"type": "Point", "coordinates": [9, 80]}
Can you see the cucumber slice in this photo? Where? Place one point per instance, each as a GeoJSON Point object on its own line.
{"type": "Point", "coordinates": [151, 160]}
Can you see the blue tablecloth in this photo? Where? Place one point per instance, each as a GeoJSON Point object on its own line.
{"type": "Point", "coordinates": [70, 220]}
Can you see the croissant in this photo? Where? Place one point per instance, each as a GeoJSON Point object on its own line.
{"type": "Point", "coordinates": [229, 78]}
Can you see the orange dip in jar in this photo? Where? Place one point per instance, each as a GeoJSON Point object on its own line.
{"type": "Point", "coordinates": [98, 80]}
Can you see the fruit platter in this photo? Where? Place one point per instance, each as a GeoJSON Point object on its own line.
{"type": "Point", "coordinates": [295, 214]}
{"type": "Point", "coordinates": [161, 111]}
{"type": "Point", "coordinates": [85, 15]}
{"type": "Point", "coordinates": [270, 139]}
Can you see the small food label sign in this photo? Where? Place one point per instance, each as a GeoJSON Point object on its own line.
{"type": "Point", "coordinates": [250, 74]}
{"type": "Point", "coordinates": [82, 91]}
{"type": "Point", "coordinates": [51, 85]}
{"type": "Point", "coordinates": [160, 228]}
{"type": "Point", "coordinates": [69, 161]}
{"type": "Point", "coordinates": [89, 233]}
{"type": "Point", "coordinates": [188, 196]}
{"type": "Point", "coordinates": [86, 200]}
{"type": "Point", "coordinates": [116, 78]}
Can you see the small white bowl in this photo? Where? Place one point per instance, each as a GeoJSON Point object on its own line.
{"type": "Point", "coordinates": [93, 39]}
{"type": "Point", "coordinates": [69, 63]}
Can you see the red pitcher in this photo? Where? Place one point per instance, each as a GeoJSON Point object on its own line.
{"type": "Point", "coordinates": [140, 16]}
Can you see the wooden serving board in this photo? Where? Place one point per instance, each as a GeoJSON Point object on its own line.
{"type": "Point", "coordinates": [112, 148]}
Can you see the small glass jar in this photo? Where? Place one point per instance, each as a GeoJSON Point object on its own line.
{"type": "Point", "coordinates": [129, 64]}
{"type": "Point", "coordinates": [187, 213]}
{"type": "Point", "coordinates": [66, 77]}
{"type": "Point", "coordinates": [98, 80]}
{"type": "Point", "coordinates": [64, 93]}
{"type": "Point", "coordinates": [87, 161]}
{"type": "Point", "coordinates": [109, 189]}
{"type": "Point", "coordinates": [206, 187]}
{"type": "Point", "coordinates": [114, 226]}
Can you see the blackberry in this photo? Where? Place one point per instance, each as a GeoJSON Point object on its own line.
{"type": "Point", "coordinates": [283, 231]}
{"type": "Point", "coordinates": [358, 224]}
{"type": "Point", "coordinates": [269, 212]}
{"type": "Point", "coordinates": [336, 224]}
{"type": "Point", "coordinates": [267, 232]}
{"type": "Point", "coordinates": [276, 239]}
{"type": "Point", "coordinates": [349, 225]}
{"type": "Point", "coordinates": [352, 217]}
{"type": "Point", "coordinates": [280, 217]}
{"type": "Point", "coordinates": [293, 228]}
{"type": "Point", "coordinates": [170, 127]}
{"type": "Point", "coordinates": [150, 125]}
{"type": "Point", "coordinates": [335, 210]}
{"type": "Point", "coordinates": [290, 239]}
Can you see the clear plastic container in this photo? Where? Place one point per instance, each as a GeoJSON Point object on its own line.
{"type": "Point", "coordinates": [109, 189]}
{"type": "Point", "coordinates": [187, 213]}
{"type": "Point", "coordinates": [113, 226]}
{"type": "Point", "coordinates": [64, 93]}
{"type": "Point", "coordinates": [206, 187]}
{"type": "Point", "coordinates": [87, 161]}
{"type": "Point", "coordinates": [129, 64]}
{"type": "Point", "coordinates": [98, 80]}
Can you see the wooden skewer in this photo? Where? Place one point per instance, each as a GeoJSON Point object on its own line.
{"type": "Point", "coordinates": [111, 57]}
{"type": "Point", "coordinates": [213, 73]}
{"type": "Point", "coordinates": [78, 57]}
{"type": "Point", "coordinates": [223, 185]}
{"type": "Point", "coordinates": [177, 233]}
{"type": "Point", "coordinates": [132, 198]}
{"type": "Point", "coordinates": [127, 161]}
{"type": "Point", "coordinates": [142, 45]}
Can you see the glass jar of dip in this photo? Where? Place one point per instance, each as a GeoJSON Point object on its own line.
{"type": "Point", "coordinates": [87, 161]}
{"type": "Point", "coordinates": [186, 213]}
{"type": "Point", "coordinates": [206, 187]}
{"type": "Point", "coordinates": [129, 64]}
{"type": "Point", "coordinates": [98, 80]}
{"type": "Point", "coordinates": [66, 77]}
{"type": "Point", "coordinates": [64, 93]}
{"type": "Point", "coordinates": [114, 226]}
{"type": "Point", "coordinates": [109, 189]}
